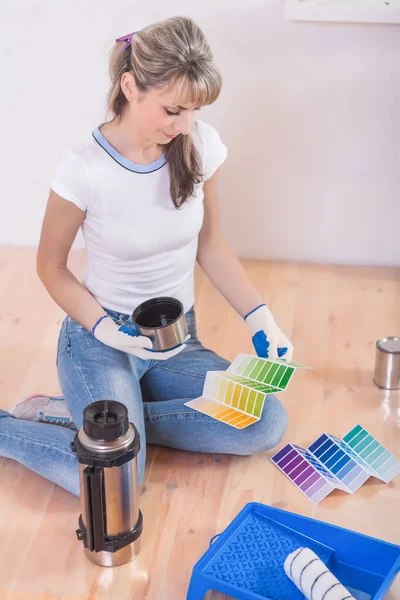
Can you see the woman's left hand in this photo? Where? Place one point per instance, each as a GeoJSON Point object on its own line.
{"type": "Point", "coordinates": [268, 340]}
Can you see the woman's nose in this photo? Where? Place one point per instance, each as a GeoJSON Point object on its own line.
{"type": "Point", "coordinates": [185, 124]}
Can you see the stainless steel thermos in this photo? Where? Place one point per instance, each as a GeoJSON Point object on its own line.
{"type": "Point", "coordinates": [106, 448]}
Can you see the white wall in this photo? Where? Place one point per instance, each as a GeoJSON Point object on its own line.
{"type": "Point", "coordinates": [344, 11]}
{"type": "Point", "coordinates": [309, 112]}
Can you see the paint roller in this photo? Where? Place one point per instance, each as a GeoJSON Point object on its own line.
{"type": "Point", "coordinates": [313, 578]}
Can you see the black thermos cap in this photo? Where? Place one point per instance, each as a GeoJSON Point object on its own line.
{"type": "Point", "coordinates": [105, 420]}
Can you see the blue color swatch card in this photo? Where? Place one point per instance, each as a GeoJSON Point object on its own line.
{"type": "Point", "coordinates": [332, 463]}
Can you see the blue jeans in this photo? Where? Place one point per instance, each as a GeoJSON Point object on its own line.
{"type": "Point", "coordinates": [154, 392]}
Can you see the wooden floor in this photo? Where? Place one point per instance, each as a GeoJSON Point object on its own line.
{"type": "Point", "coordinates": [333, 315]}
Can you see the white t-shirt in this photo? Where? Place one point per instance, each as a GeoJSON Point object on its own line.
{"type": "Point", "coordinates": [139, 245]}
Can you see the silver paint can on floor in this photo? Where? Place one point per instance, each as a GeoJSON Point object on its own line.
{"type": "Point", "coordinates": [387, 363]}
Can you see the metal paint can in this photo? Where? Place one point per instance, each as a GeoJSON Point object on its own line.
{"type": "Point", "coordinates": [387, 363]}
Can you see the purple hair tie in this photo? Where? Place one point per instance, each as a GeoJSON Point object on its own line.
{"type": "Point", "coordinates": [126, 38]}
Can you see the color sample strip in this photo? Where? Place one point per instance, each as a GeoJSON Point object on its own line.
{"type": "Point", "coordinates": [249, 382]}
{"type": "Point", "coordinates": [237, 395]}
{"type": "Point", "coordinates": [276, 373]}
{"type": "Point", "coordinates": [320, 467]}
{"type": "Point", "coordinates": [349, 473]}
{"type": "Point", "coordinates": [264, 371]}
{"type": "Point", "coordinates": [218, 411]}
{"type": "Point", "coordinates": [353, 455]}
{"type": "Point", "coordinates": [242, 360]}
{"type": "Point", "coordinates": [294, 462]}
{"type": "Point", "coordinates": [245, 398]}
{"type": "Point", "coordinates": [381, 462]}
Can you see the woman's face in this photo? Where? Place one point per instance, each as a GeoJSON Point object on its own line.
{"type": "Point", "coordinates": [160, 114]}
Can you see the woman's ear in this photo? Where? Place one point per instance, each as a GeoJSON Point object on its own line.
{"type": "Point", "coordinates": [128, 86]}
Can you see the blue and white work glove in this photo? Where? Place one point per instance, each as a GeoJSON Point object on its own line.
{"type": "Point", "coordinates": [126, 339]}
{"type": "Point", "coordinates": [268, 339]}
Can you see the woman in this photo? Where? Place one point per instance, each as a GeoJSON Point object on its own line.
{"type": "Point", "coordinates": [144, 191]}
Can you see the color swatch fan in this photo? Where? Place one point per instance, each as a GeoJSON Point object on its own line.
{"type": "Point", "coordinates": [236, 396]}
{"type": "Point", "coordinates": [377, 461]}
{"type": "Point", "coordinates": [331, 463]}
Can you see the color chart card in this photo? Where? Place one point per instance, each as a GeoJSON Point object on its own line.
{"type": "Point", "coordinates": [276, 373]}
{"type": "Point", "coordinates": [330, 463]}
{"type": "Point", "coordinates": [312, 479]}
{"type": "Point", "coordinates": [380, 462]}
{"type": "Point", "coordinates": [231, 399]}
{"type": "Point", "coordinates": [236, 396]}
{"type": "Point", "coordinates": [221, 412]}
{"type": "Point", "coordinates": [237, 392]}
{"type": "Point", "coordinates": [333, 454]}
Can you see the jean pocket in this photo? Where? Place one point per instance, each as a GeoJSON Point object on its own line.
{"type": "Point", "coordinates": [74, 331]}
{"type": "Point", "coordinates": [58, 346]}
{"type": "Point", "coordinates": [191, 323]}
{"type": "Point", "coordinates": [117, 317]}
{"type": "Point", "coordinates": [62, 337]}
{"type": "Point", "coordinates": [72, 326]}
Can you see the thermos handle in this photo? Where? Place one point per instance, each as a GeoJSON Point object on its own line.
{"type": "Point", "coordinates": [94, 506]}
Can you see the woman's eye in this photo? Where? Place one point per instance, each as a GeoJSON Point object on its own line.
{"type": "Point", "coordinates": [177, 113]}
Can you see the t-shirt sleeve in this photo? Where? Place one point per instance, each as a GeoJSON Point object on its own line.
{"type": "Point", "coordinates": [214, 150]}
{"type": "Point", "coordinates": [71, 180]}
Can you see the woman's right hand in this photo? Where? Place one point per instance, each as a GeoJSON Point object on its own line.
{"type": "Point", "coordinates": [126, 339]}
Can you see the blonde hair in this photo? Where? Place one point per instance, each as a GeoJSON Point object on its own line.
{"type": "Point", "coordinates": [169, 53]}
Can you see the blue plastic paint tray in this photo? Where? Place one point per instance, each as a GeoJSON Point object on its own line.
{"type": "Point", "coordinates": [246, 560]}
